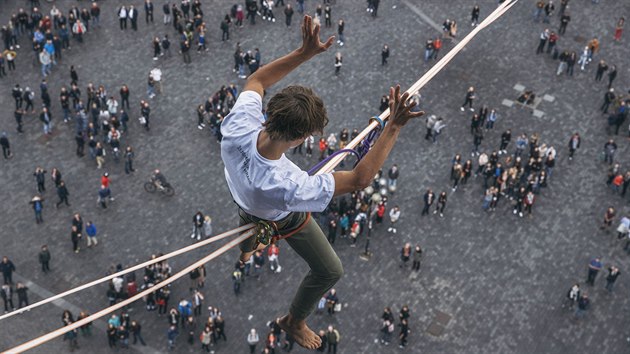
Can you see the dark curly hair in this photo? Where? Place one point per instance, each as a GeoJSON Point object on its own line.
{"type": "Point", "coordinates": [295, 113]}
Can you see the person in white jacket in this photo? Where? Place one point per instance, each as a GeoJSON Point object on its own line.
{"type": "Point", "coordinates": [394, 215]}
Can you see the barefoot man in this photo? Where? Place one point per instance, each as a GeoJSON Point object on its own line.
{"type": "Point", "coordinates": [277, 195]}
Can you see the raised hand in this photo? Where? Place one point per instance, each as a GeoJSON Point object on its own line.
{"type": "Point", "coordinates": [311, 45]}
{"type": "Point", "coordinates": [400, 107]}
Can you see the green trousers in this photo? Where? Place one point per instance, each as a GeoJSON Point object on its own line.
{"type": "Point", "coordinates": [311, 244]}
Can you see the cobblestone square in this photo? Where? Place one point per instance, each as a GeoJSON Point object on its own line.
{"type": "Point", "coordinates": [501, 279]}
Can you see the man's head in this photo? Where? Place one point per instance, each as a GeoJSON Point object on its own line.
{"type": "Point", "coordinates": [295, 113]}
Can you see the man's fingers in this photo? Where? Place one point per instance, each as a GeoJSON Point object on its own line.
{"type": "Point", "coordinates": [404, 97]}
{"type": "Point", "coordinates": [417, 114]}
{"type": "Point", "coordinates": [316, 32]}
{"type": "Point", "coordinates": [329, 42]}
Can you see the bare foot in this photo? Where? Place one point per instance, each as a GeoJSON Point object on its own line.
{"type": "Point", "coordinates": [303, 335]}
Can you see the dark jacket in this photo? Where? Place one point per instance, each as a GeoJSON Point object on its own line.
{"type": "Point", "coordinates": [44, 256]}
{"type": "Point", "coordinates": [7, 268]}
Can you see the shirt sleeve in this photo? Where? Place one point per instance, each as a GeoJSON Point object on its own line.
{"type": "Point", "coordinates": [310, 193]}
{"type": "Point", "coordinates": [245, 116]}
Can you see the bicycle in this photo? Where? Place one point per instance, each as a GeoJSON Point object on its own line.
{"type": "Point", "coordinates": [166, 189]}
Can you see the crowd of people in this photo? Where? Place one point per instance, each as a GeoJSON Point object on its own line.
{"type": "Point", "coordinates": [515, 170]}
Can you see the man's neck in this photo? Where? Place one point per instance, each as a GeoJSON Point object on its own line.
{"type": "Point", "coordinates": [270, 149]}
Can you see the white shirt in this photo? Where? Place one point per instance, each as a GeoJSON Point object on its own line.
{"type": "Point", "coordinates": [268, 189]}
{"type": "Point", "coordinates": [156, 74]}
{"type": "Point", "coordinates": [394, 214]}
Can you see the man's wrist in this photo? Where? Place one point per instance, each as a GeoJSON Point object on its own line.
{"type": "Point", "coordinates": [392, 128]}
{"type": "Point", "coordinates": [302, 55]}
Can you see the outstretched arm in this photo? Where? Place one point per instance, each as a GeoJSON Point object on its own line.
{"type": "Point", "coordinates": [279, 68]}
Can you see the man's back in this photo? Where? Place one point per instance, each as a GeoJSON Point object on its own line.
{"type": "Point", "coordinates": [265, 188]}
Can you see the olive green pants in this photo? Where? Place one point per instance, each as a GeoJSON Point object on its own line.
{"type": "Point", "coordinates": [311, 244]}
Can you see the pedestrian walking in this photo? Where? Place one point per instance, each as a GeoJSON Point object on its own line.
{"type": "Point", "coordinates": [470, 97]}
{"type": "Point", "coordinates": [6, 146]}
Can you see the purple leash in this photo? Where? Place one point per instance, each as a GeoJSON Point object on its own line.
{"type": "Point", "coordinates": [361, 150]}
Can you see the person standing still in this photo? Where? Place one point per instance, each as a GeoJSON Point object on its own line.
{"type": "Point", "coordinates": [613, 273]}
{"type": "Point", "coordinates": [44, 259]}
{"type": "Point", "coordinates": [340, 27]}
{"type": "Point", "coordinates": [332, 337]}
{"type": "Point", "coordinates": [7, 268]}
{"type": "Point", "coordinates": [594, 266]}
{"type": "Point", "coordinates": [129, 155]}
{"type": "Point", "coordinates": [252, 340]}
{"type": "Point", "coordinates": [384, 54]}
{"type": "Point", "coordinates": [90, 231]}
{"type": "Point", "coordinates": [63, 194]}
{"type": "Point", "coordinates": [338, 63]}
{"type": "Point", "coordinates": [574, 144]}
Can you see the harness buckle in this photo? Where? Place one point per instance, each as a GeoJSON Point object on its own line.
{"type": "Point", "coordinates": [264, 232]}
